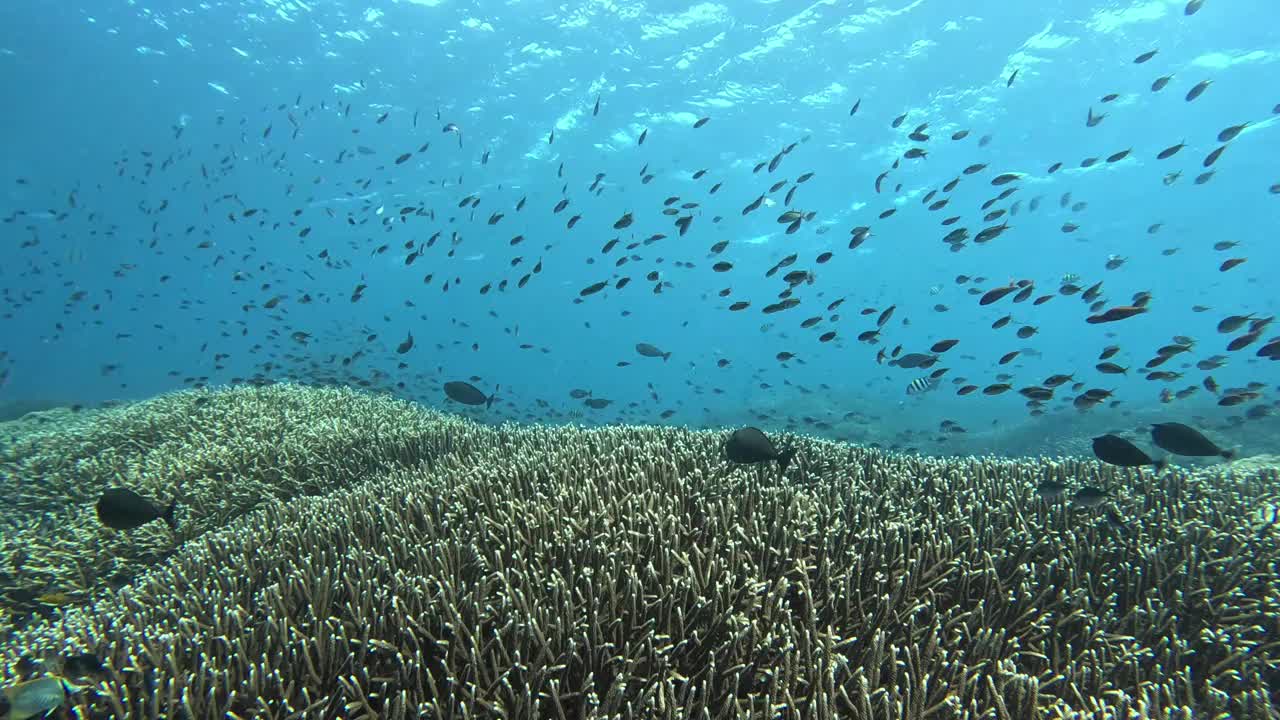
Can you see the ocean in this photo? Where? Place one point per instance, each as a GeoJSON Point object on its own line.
{"type": "Point", "coordinates": [148, 131]}
{"type": "Point", "coordinates": [932, 230]}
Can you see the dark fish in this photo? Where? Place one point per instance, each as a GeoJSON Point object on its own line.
{"type": "Point", "coordinates": [1050, 490]}
{"type": "Point", "coordinates": [123, 509]}
{"type": "Point", "coordinates": [1182, 439]}
{"type": "Point", "coordinates": [1198, 90]}
{"type": "Point", "coordinates": [1115, 450]}
{"type": "Point", "coordinates": [1090, 497]}
{"type": "Point", "coordinates": [82, 665]}
{"type": "Point", "coordinates": [1115, 313]}
{"type": "Point", "coordinates": [915, 360]}
{"type": "Point", "coordinates": [648, 350]}
{"type": "Point", "coordinates": [593, 288]}
{"type": "Point", "coordinates": [750, 446]}
{"type": "Point", "coordinates": [1145, 57]}
{"type": "Point", "coordinates": [1230, 133]}
{"type": "Point", "coordinates": [468, 394]}
{"type": "Point", "coordinates": [405, 346]}
{"type": "Point", "coordinates": [1231, 323]}
{"type": "Point", "coordinates": [992, 296]}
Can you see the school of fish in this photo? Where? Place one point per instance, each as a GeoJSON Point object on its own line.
{"type": "Point", "coordinates": [426, 227]}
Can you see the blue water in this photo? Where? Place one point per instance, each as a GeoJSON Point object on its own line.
{"type": "Point", "coordinates": [95, 91]}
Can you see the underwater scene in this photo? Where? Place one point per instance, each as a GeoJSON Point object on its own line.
{"type": "Point", "coordinates": [870, 359]}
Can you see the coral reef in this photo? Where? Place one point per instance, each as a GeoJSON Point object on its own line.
{"type": "Point", "coordinates": [629, 572]}
{"type": "Point", "coordinates": [221, 453]}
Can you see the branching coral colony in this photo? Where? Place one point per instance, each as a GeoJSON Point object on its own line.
{"type": "Point", "coordinates": [349, 556]}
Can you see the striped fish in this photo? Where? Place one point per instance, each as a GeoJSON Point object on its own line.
{"type": "Point", "coordinates": [921, 385]}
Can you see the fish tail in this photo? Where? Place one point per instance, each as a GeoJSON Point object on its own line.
{"type": "Point", "coordinates": [785, 458]}
{"type": "Point", "coordinates": [170, 516]}
{"type": "Point", "coordinates": [1229, 454]}
{"type": "Point", "coordinates": [1160, 465]}
{"type": "Point", "coordinates": [489, 403]}
{"type": "Point", "coordinates": [666, 356]}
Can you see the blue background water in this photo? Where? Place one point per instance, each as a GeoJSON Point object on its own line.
{"type": "Point", "coordinates": [90, 87]}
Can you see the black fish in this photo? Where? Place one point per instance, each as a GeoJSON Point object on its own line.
{"type": "Point", "coordinates": [750, 446]}
{"type": "Point", "coordinates": [468, 394]}
{"type": "Point", "coordinates": [123, 509]}
{"type": "Point", "coordinates": [1115, 450]}
{"type": "Point", "coordinates": [82, 665]}
{"type": "Point", "coordinates": [915, 360]}
{"type": "Point", "coordinates": [1090, 497]}
{"type": "Point", "coordinates": [648, 350]}
{"type": "Point", "coordinates": [1182, 439]}
{"type": "Point", "coordinates": [1050, 490]}
{"type": "Point", "coordinates": [406, 346]}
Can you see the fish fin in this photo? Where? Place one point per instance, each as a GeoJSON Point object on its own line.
{"type": "Point", "coordinates": [1160, 465]}
{"type": "Point", "coordinates": [170, 516]}
{"type": "Point", "coordinates": [494, 396]}
{"type": "Point", "coordinates": [1229, 454]}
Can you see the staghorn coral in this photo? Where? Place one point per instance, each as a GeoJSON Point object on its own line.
{"type": "Point", "coordinates": [625, 572]}
{"type": "Point", "coordinates": [220, 453]}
